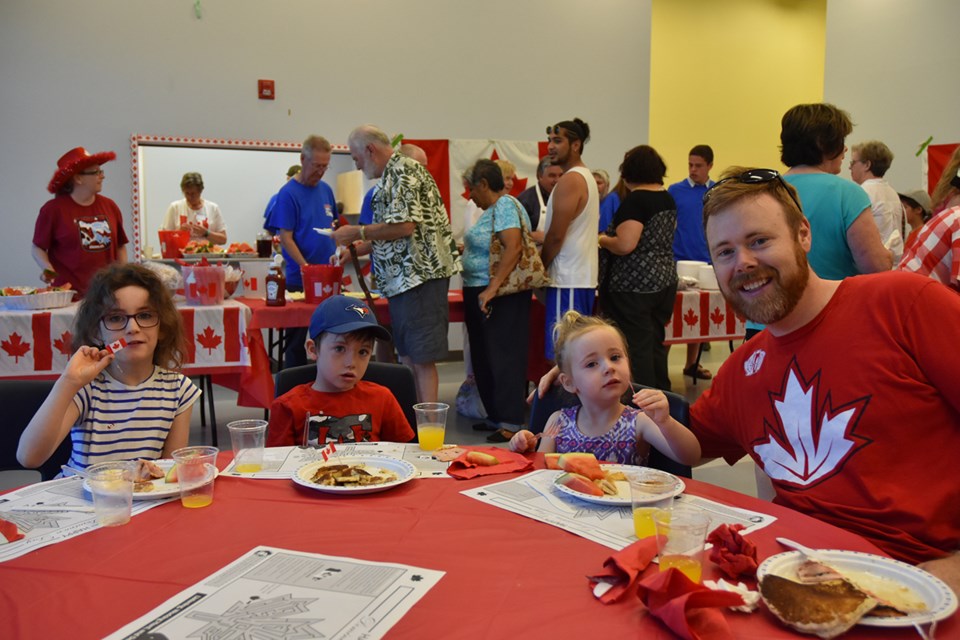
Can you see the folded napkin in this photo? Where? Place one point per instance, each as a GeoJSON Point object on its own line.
{"type": "Point", "coordinates": [620, 571]}
{"type": "Point", "coordinates": [9, 532]}
{"type": "Point", "coordinates": [509, 462]}
{"type": "Point", "coordinates": [687, 608]}
{"type": "Point", "coordinates": [735, 555]}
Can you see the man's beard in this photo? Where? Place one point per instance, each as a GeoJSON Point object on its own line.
{"type": "Point", "coordinates": [773, 305]}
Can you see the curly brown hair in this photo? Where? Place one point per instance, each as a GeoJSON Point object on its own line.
{"type": "Point", "coordinates": [171, 344]}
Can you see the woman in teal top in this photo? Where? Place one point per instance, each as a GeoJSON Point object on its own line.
{"type": "Point", "coordinates": [845, 240]}
{"type": "Point", "coordinates": [497, 327]}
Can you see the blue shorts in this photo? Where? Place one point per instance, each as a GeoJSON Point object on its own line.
{"type": "Point", "coordinates": [559, 301]}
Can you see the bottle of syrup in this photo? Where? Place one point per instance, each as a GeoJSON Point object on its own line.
{"type": "Point", "coordinates": [276, 287]}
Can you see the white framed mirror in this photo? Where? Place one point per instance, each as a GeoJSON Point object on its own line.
{"type": "Point", "coordinates": [239, 175]}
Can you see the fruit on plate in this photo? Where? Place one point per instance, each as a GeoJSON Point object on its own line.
{"type": "Point", "coordinates": [552, 460]}
{"type": "Point", "coordinates": [580, 484]}
{"type": "Point", "coordinates": [584, 464]}
{"type": "Point", "coordinates": [482, 459]}
{"type": "Point", "coordinates": [172, 475]}
{"type": "Point", "coordinates": [240, 247]}
{"type": "Point", "coordinates": [201, 246]}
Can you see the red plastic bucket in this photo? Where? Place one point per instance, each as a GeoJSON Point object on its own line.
{"type": "Point", "coordinates": [320, 281]}
{"type": "Point", "coordinates": [171, 242]}
{"type": "Point", "coordinates": [203, 285]}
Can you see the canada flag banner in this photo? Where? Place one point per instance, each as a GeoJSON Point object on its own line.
{"type": "Point", "coordinates": [703, 314]}
{"type": "Point", "coordinates": [34, 343]}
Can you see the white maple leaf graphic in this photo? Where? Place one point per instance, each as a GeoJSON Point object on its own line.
{"type": "Point", "coordinates": [799, 453]}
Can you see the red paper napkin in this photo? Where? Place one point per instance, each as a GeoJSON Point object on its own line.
{"type": "Point", "coordinates": [9, 532]}
{"type": "Point", "coordinates": [509, 462]}
{"type": "Point", "coordinates": [735, 555]}
{"type": "Point", "coordinates": [689, 609]}
{"type": "Point", "coordinates": [622, 569]}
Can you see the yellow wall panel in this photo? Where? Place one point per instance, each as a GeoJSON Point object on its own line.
{"type": "Point", "coordinates": [723, 72]}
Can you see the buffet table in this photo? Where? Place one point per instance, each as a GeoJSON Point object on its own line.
{"type": "Point", "coordinates": [506, 576]}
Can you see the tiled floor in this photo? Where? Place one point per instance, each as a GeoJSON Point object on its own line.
{"type": "Point", "coordinates": [740, 477]}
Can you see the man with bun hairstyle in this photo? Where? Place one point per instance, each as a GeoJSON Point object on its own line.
{"type": "Point", "coordinates": [570, 251]}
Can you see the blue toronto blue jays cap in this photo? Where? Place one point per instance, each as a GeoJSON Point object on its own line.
{"type": "Point", "coordinates": [343, 314]}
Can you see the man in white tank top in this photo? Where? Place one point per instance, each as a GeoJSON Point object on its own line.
{"type": "Point", "coordinates": [570, 244]}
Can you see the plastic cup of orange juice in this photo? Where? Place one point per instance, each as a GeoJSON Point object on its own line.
{"type": "Point", "coordinates": [645, 504]}
{"type": "Point", "coordinates": [196, 472]}
{"type": "Point", "coordinates": [681, 534]}
{"type": "Point", "coordinates": [431, 424]}
{"type": "Point", "coordinates": [247, 438]}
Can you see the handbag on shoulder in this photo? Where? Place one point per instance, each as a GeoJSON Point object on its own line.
{"type": "Point", "coordinates": [529, 273]}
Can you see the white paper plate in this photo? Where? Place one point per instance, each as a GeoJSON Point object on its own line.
{"type": "Point", "coordinates": [404, 470]}
{"type": "Point", "coordinates": [161, 489]}
{"type": "Point", "coordinates": [940, 600]}
{"type": "Point", "coordinates": [622, 499]}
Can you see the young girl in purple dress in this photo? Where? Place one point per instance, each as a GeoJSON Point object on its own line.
{"type": "Point", "coordinates": [592, 358]}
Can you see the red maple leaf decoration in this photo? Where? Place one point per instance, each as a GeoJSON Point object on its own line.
{"type": "Point", "coordinates": [15, 346]}
{"type": "Point", "coordinates": [519, 184]}
{"type": "Point", "coordinates": [63, 343]}
{"type": "Point", "coordinates": [690, 318]}
{"type": "Point", "coordinates": [209, 340]}
{"type": "Point", "coordinates": [717, 316]}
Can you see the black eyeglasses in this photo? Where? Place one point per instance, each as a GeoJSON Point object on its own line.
{"type": "Point", "coordinates": [98, 172]}
{"type": "Point", "coordinates": [756, 176]}
{"type": "Point", "coordinates": [119, 321]}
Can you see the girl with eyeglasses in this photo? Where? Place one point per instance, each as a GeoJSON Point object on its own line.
{"type": "Point", "coordinates": [120, 404]}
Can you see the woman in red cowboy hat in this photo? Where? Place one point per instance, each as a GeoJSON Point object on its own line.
{"type": "Point", "coordinates": [78, 231]}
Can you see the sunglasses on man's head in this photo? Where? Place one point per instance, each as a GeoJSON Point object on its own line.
{"type": "Point", "coordinates": [571, 133]}
{"type": "Point", "coordinates": [756, 176]}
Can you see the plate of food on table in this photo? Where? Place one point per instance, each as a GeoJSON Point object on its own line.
{"type": "Point", "coordinates": [586, 479]}
{"type": "Point", "coordinates": [241, 250]}
{"type": "Point", "coordinates": [834, 590]}
{"type": "Point", "coordinates": [32, 298]}
{"type": "Point", "coordinates": [154, 480]}
{"type": "Point", "coordinates": [354, 475]}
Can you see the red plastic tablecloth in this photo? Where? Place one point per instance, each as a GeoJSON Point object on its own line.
{"type": "Point", "coordinates": [506, 576]}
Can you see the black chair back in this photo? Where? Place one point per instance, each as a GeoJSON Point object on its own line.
{"type": "Point", "coordinates": [557, 398]}
{"type": "Point", "coordinates": [20, 399]}
{"type": "Point", "coordinates": [396, 377]}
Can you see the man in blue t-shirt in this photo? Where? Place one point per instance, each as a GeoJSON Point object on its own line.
{"type": "Point", "coordinates": [689, 241]}
{"type": "Point", "coordinates": [303, 205]}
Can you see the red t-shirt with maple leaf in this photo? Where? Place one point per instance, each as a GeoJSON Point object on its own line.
{"type": "Point", "coordinates": [79, 239]}
{"type": "Point", "coordinates": [289, 411]}
{"type": "Point", "coordinates": [855, 416]}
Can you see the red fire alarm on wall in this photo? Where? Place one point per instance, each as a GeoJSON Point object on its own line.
{"type": "Point", "coordinates": [265, 90]}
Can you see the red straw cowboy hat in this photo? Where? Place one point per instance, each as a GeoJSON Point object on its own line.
{"type": "Point", "coordinates": [74, 161]}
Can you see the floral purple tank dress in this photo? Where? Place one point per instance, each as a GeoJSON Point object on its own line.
{"type": "Point", "coordinates": [618, 445]}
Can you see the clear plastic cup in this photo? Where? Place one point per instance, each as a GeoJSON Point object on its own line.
{"type": "Point", "coordinates": [431, 424]}
{"type": "Point", "coordinates": [645, 504]}
{"type": "Point", "coordinates": [196, 472]}
{"type": "Point", "coordinates": [111, 484]}
{"type": "Point", "coordinates": [247, 438]}
{"type": "Point", "coordinates": [681, 534]}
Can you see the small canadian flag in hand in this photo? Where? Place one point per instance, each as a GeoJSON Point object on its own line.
{"type": "Point", "coordinates": [116, 345]}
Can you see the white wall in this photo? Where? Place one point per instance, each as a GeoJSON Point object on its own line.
{"type": "Point", "coordinates": [91, 74]}
{"type": "Point", "coordinates": [893, 65]}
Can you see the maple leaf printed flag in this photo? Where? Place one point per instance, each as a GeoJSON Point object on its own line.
{"type": "Point", "coordinates": [15, 347]}
{"type": "Point", "coordinates": [218, 339]}
{"type": "Point", "coordinates": [209, 340]}
{"type": "Point", "coordinates": [63, 343]}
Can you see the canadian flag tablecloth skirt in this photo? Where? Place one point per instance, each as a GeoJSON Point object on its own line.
{"type": "Point", "coordinates": [702, 316]}
{"type": "Point", "coordinates": [37, 344]}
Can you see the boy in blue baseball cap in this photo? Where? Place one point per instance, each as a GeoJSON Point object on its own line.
{"type": "Point", "coordinates": [342, 333]}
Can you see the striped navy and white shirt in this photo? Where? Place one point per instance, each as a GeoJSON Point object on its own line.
{"type": "Point", "coordinates": [121, 422]}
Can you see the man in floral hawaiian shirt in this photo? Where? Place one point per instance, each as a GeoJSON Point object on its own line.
{"type": "Point", "coordinates": [414, 252]}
